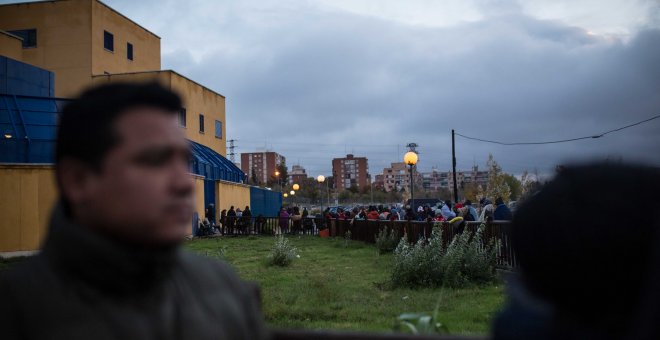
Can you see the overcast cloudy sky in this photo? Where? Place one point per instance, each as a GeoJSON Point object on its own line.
{"type": "Point", "coordinates": [314, 80]}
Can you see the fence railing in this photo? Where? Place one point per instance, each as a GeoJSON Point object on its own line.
{"type": "Point", "coordinates": [365, 230]}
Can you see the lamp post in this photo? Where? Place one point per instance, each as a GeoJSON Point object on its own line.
{"type": "Point", "coordinates": [411, 158]}
{"type": "Point", "coordinates": [320, 179]}
{"type": "Point", "coordinates": [277, 174]}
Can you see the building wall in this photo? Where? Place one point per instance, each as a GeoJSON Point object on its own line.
{"type": "Point", "coordinates": [10, 46]}
{"type": "Point", "coordinates": [70, 41]}
{"type": "Point", "coordinates": [199, 196]}
{"type": "Point", "coordinates": [358, 172]}
{"type": "Point", "coordinates": [146, 45]}
{"type": "Point", "coordinates": [196, 100]}
{"type": "Point", "coordinates": [28, 196]}
{"type": "Point", "coordinates": [229, 193]}
{"type": "Point", "coordinates": [63, 39]}
{"type": "Point", "coordinates": [264, 165]}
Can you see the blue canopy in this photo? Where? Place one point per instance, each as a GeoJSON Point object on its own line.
{"type": "Point", "coordinates": [213, 165]}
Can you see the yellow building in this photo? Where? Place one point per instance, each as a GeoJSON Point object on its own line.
{"type": "Point", "coordinates": [203, 113]}
{"type": "Point", "coordinates": [78, 39]}
{"type": "Point", "coordinates": [85, 43]}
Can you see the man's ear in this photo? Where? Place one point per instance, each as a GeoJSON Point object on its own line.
{"type": "Point", "coordinates": [76, 180]}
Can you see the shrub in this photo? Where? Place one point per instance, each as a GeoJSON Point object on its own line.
{"type": "Point", "coordinates": [416, 265]}
{"type": "Point", "coordinates": [466, 260]}
{"type": "Point", "coordinates": [386, 241]}
{"type": "Point", "coordinates": [347, 238]}
{"type": "Point", "coordinates": [282, 253]}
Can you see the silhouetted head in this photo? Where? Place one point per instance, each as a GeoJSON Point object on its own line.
{"type": "Point", "coordinates": [587, 244]}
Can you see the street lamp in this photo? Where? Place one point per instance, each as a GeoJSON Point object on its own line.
{"type": "Point", "coordinates": [411, 158]}
{"type": "Point", "coordinates": [320, 179]}
{"type": "Point", "coordinates": [296, 187]}
{"type": "Point", "coordinates": [277, 174]}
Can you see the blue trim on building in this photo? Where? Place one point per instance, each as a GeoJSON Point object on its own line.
{"type": "Point", "coordinates": [213, 165]}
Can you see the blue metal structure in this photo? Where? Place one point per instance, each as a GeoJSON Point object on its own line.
{"type": "Point", "coordinates": [213, 166]}
{"type": "Point", "coordinates": [21, 79]}
{"type": "Point", "coordinates": [265, 202]}
{"type": "Point", "coordinates": [28, 125]}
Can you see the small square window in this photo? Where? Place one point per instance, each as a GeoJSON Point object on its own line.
{"type": "Point", "coordinates": [218, 129]}
{"type": "Point", "coordinates": [108, 41]}
{"type": "Point", "coordinates": [182, 117]}
{"type": "Point", "coordinates": [201, 122]}
{"type": "Point", "coordinates": [129, 51]}
{"type": "Point", "coordinates": [29, 37]}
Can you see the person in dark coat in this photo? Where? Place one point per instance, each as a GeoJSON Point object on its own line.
{"type": "Point", "coordinates": [284, 221]}
{"type": "Point", "coordinates": [231, 219]}
{"type": "Point", "coordinates": [112, 266]}
{"type": "Point", "coordinates": [247, 219]}
{"type": "Point", "coordinates": [223, 220]}
{"type": "Point", "coordinates": [502, 212]}
{"type": "Point", "coordinates": [586, 275]}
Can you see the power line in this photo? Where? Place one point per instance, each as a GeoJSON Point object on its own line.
{"type": "Point", "coordinates": [562, 140]}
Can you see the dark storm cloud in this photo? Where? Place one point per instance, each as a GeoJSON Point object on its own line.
{"type": "Point", "coordinates": [311, 78]}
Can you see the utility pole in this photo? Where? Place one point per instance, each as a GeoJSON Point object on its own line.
{"type": "Point", "coordinates": [453, 163]}
{"type": "Point", "coordinates": [231, 150]}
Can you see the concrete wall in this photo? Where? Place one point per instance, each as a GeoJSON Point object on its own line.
{"type": "Point", "coordinates": [229, 193]}
{"type": "Point", "coordinates": [10, 46]}
{"type": "Point", "coordinates": [146, 45]}
{"type": "Point", "coordinates": [197, 100]}
{"type": "Point", "coordinates": [27, 196]}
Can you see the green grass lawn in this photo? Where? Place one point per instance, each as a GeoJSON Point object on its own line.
{"type": "Point", "coordinates": [334, 285]}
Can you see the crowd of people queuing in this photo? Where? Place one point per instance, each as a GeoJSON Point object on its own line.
{"type": "Point", "coordinates": [445, 211]}
{"type": "Point", "coordinates": [295, 219]}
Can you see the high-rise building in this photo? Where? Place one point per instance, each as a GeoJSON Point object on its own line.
{"type": "Point", "coordinates": [350, 171]}
{"type": "Point", "coordinates": [261, 165]}
{"type": "Point", "coordinates": [397, 177]}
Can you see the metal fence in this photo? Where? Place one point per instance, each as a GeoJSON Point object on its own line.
{"type": "Point", "coordinates": [367, 230]}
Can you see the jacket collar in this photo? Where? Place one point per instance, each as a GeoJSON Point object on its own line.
{"type": "Point", "coordinates": [103, 263]}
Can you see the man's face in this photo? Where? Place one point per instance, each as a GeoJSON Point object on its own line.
{"type": "Point", "coordinates": [143, 192]}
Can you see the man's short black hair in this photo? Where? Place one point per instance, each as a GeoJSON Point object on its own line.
{"type": "Point", "coordinates": [86, 128]}
{"type": "Point", "coordinates": [585, 243]}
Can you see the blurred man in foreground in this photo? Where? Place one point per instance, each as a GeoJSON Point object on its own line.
{"type": "Point", "coordinates": [589, 256]}
{"type": "Point", "coordinates": [111, 266]}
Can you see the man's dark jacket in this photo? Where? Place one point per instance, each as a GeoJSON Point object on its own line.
{"type": "Point", "coordinates": [85, 286]}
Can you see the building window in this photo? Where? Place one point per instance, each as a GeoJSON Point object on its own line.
{"type": "Point", "coordinates": [108, 41]}
{"type": "Point", "coordinates": [129, 51]}
{"type": "Point", "coordinates": [182, 117]}
{"type": "Point", "coordinates": [218, 129]}
{"type": "Point", "coordinates": [29, 37]}
{"type": "Point", "coordinates": [201, 123]}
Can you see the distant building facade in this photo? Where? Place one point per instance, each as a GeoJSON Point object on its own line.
{"type": "Point", "coordinates": [350, 171]}
{"type": "Point", "coordinates": [297, 174]}
{"type": "Point", "coordinates": [436, 180]}
{"type": "Point", "coordinates": [397, 177]}
{"type": "Point", "coordinates": [262, 164]}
